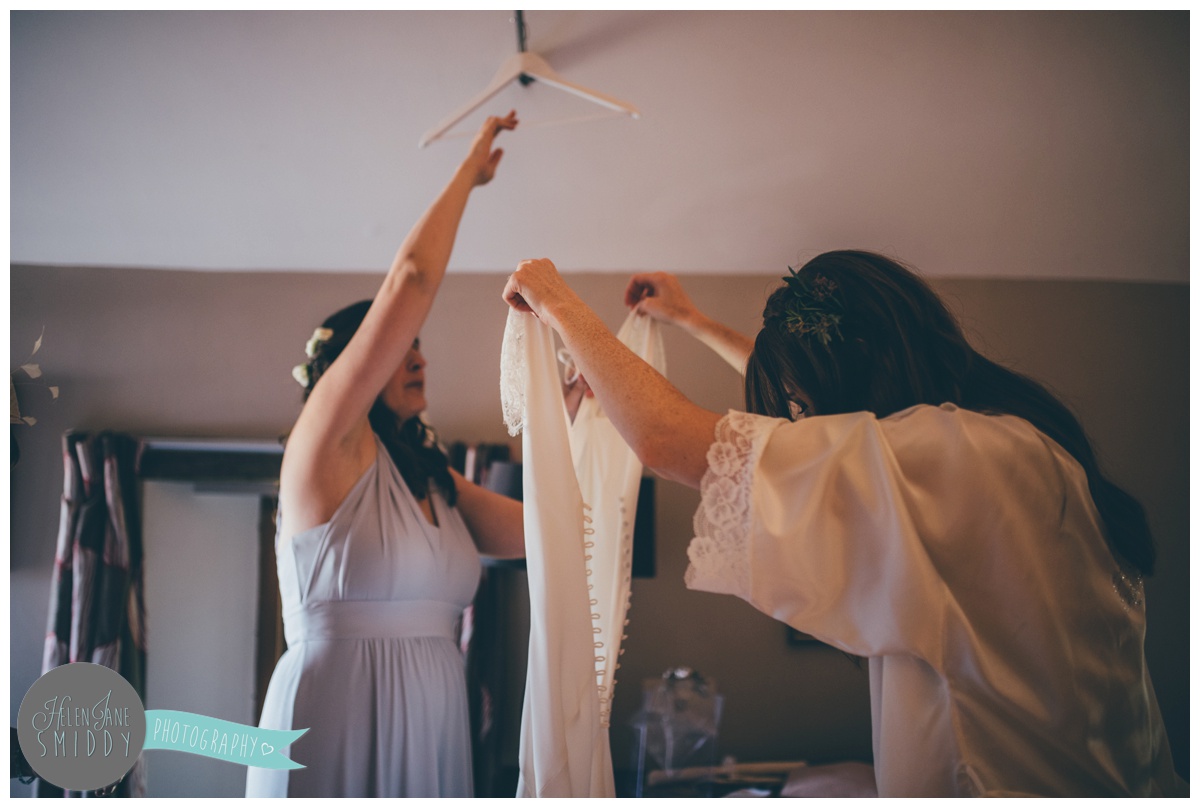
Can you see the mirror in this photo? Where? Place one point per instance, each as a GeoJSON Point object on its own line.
{"type": "Point", "coordinates": [214, 627]}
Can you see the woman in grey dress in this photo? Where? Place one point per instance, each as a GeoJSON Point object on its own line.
{"type": "Point", "coordinates": [378, 544]}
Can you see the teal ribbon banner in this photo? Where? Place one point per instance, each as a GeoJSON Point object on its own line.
{"type": "Point", "coordinates": [223, 740]}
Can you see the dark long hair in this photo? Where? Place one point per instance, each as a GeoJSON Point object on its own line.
{"type": "Point", "coordinates": [411, 444]}
{"type": "Point", "coordinates": [895, 345]}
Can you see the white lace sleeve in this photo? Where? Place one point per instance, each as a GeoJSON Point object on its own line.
{"type": "Point", "coordinates": [719, 553]}
{"type": "Point", "coordinates": [512, 372]}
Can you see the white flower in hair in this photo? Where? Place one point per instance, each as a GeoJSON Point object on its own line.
{"type": "Point", "coordinates": [300, 374]}
{"type": "Point", "coordinates": [314, 343]}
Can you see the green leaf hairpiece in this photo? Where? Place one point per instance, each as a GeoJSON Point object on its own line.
{"type": "Point", "coordinates": [814, 308]}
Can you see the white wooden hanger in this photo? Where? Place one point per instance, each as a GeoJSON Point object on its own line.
{"type": "Point", "coordinates": [526, 67]}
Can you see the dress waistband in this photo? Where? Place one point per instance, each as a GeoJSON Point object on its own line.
{"type": "Point", "coordinates": [371, 619]}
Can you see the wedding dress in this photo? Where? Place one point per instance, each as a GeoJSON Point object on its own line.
{"type": "Point", "coordinates": [580, 484]}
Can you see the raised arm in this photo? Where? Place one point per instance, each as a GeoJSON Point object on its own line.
{"type": "Point", "coordinates": [669, 434]}
{"type": "Point", "coordinates": [329, 445]}
{"type": "Point", "coordinates": [661, 296]}
{"type": "Point", "coordinates": [343, 397]}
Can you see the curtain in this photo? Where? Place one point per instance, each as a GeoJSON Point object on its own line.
{"type": "Point", "coordinates": [97, 612]}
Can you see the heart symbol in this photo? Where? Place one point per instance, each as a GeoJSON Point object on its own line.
{"type": "Point", "coordinates": [267, 748]}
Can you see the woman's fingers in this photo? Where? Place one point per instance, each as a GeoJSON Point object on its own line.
{"type": "Point", "coordinates": [650, 284]}
{"type": "Point", "coordinates": [494, 126]}
{"type": "Point", "coordinates": [636, 290]}
{"type": "Point", "coordinates": [482, 151]}
{"type": "Point", "coordinates": [509, 121]}
{"type": "Point", "coordinates": [532, 280]}
{"type": "Point", "coordinates": [659, 295]}
{"type": "Point", "coordinates": [512, 296]}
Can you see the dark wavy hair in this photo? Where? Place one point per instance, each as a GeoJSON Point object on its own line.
{"type": "Point", "coordinates": [898, 345]}
{"type": "Point", "coordinates": [411, 444]}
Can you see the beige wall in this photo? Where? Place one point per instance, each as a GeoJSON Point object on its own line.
{"type": "Point", "coordinates": [209, 354]}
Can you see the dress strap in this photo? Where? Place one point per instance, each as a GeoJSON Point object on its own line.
{"type": "Point", "coordinates": [371, 619]}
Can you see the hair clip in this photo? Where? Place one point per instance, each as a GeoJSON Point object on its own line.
{"type": "Point", "coordinates": [813, 308]}
{"type": "Point", "coordinates": [319, 336]}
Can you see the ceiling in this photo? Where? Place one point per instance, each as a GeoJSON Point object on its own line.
{"type": "Point", "coordinates": [972, 144]}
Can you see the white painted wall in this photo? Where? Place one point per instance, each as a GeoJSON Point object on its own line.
{"type": "Point", "coordinates": [974, 144]}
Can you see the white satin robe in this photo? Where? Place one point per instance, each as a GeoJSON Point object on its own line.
{"type": "Point", "coordinates": [963, 555]}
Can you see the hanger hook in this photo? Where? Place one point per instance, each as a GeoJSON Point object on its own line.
{"type": "Point", "coordinates": [521, 31]}
{"type": "Point", "coordinates": [524, 79]}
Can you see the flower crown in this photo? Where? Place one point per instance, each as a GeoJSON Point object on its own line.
{"type": "Point", "coordinates": [302, 373]}
{"type": "Point", "coordinates": [812, 308]}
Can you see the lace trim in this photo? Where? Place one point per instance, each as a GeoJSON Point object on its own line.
{"type": "Point", "coordinates": [719, 553]}
{"type": "Point", "coordinates": [512, 373]}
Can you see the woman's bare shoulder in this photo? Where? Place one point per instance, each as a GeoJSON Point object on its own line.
{"type": "Point", "coordinates": [317, 475]}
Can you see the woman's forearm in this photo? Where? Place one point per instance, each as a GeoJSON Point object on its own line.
{"type": "Point", "coordinates": [728, 344]}
{"type": "Point", "coordinates": [426, 249]}
{"type": "Point", "coordinates": [660, 295]}
{"type": "Point", "coordinates": [338, 405]}
{"type": "Point", "coordinates": [669, 433]}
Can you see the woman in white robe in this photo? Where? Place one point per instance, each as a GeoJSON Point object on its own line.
{"type": "Point", "coordinates": [904, 499]}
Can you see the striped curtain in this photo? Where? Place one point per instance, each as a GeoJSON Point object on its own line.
{"type": "Point", "coordinates": [96, 609]}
